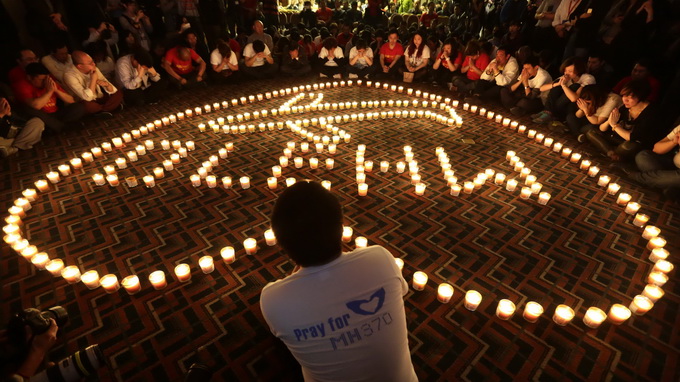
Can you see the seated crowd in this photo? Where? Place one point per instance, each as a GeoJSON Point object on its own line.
{"type": "Point", "coordinates": [585, 69]}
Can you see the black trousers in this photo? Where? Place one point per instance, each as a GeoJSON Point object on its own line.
{"type": "Point", "coordinates": [152, 94]}
{"type": "Point", "coordinates": [59, 120]}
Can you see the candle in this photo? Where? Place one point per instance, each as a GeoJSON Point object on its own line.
{"type": "Point", "coordinates": [640, 220]}
{"type": "Point", "coordinates": [632, 208]}
{"type": "Point", "coordinates": [109, 283]}
{"type": "Point", "coordinates": [363, 188]}
{"type": "Point", "coordinates": [347, 234]}
{"type": "Point", "coordinates": [245, 182]}
{"type": "Point", "coordinates": [131, 284]}
{"type": "Point", "coordinates": [640, 305]}
{"type": "Point", "coordinates": [269, 237]}
{"type": "Point", "coordinates": [64, 169]}
{"type": "Point", "coordinates": [663, 266]}
{"type": "Point", "coordinates": [272, 183]}
{"type": "Point", "coordinates": [23, 203]}
{"type": "Point", "coordinates": [42, 185]}
{"type": "Point", "coordinates": [603, 181]}
{"type": "Point", "coordinates": [132, 155]}
{"type": "Point", "coordinates": [313, 163]}
{"type": "Point", "coordinates": [505, 309]}
{"type": "Point", "coordinates": [40, 260]}
{"type": "Point", "coordinates": [468, 187]}
{"type": "Point", "coordinates": [290, 182]}
{"type": "Point", "coordinates": [26, 251]}
{"type": "Point", "coordinates": [658, 254]}
{"type": "Point", "coordinates": [472, 299]}
{"type": "Point", "coordinates": [401, 166]}
{"type": "Point", "coordinates": [149, 181]}
{"type": "Point", "coordinates": [566, 152]}
{"type": "Point", "coordinates": [415, 179]}
{"type": "Point", "coordinates": [511, 185]}
{"type": "Point", "coordinates": [106, 146]}
{"type": "Point", "coordinates": [211, 181]}
{"type": "Point", "coordinates": [182, 152]}
{"type": "Point", "coordinates": [55, 266]}
{"type": "Point", "coordinates": [90, 279]}
{"type": "Point", "coordinates": [536, 188]}
{"type": "Point", "coordinates": [623, 199]}
{"type": "Point", "coordinates": [53, 177]}
{"type": "Point", "coordinates": [563, 315]}
{"type": "Point", "coordinates": [250, 245]}
{"type": "Point", "coordinates": [148, 144]}
{"type": "Point", "coordinates": [532, 311]}
{"type": "Point", "coordinates": [71, 274]}
{"type": "Point", "coordinates": [657, 278]}
{"type": "Point", "coordinates": [650, 232]}
{"type": "Point", "coordinates": [183, 272]}
{"type": "Point", "coordinates": [158, 172]}
{"type": "Point", "coordinates": [656, 242]}
{"type": "Point", "coordinates": [131, 181]}
{"type": "Point", "coordinates": [594, 317]}
{"type": "Point", "coordinates": [326, 184]}
{"type": "Point", "coordinates": [455, 190]}
{"type": "Point", "coordinates": [525, 193]}
{"type": "Point", "coordinates": [543, 198]}
{"type": "Point", "coordinates": [575, 157]}
{"type": "Point", "coordinates": [653, 292]}
{"type": "Point", "coordinates": [330, 163]}
{"type": "Point", "coordinates": [613, 188]}
{"type": "Point", "coordinates": [206, 263]}
{"type": "Point", "coordinates": [419, 280]}
{"type": "Point", "coordinates": [548, 142]}
{"type": "Point", "coordinates": [400, 263]}
{"type": "Point", "coordinates": [444, 292]}
{"type": "Point", "coordinates": [97, 152]}
{"type": "Point", "coordinates": [618, 314]}
{"type": "Point", "coordinates": [360, 242]}
{"type": "Point", "coordinates": [113, 180]}
{"type": "Point", "coordinates": [499, 179]}
{"type": "Point", "coordinates": [420, 189]}
{"type": "Point", "coordinates": [228, 254]}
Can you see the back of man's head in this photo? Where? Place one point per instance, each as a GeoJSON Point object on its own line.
{"type": "Point", "coordinates": [258, 46]}
{"type": "Point", "coordinates": [36, 69]}
{"type": "Point", "coordinates": [307, 222]}
{"type": "Point", "coordinates": [142, 56]}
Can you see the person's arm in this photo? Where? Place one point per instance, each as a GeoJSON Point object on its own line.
{"type": "Point", "coordinates": [168, 69]}
{"type": "Point", "coordinates": [269, 58]}
{"type": "Point", "coordinates": [40, 102]}
{"type": "Point", "coordinates": [103, 82]}
{"type": "Point", "coordinates": [665, 145]}
{"type": "Point", "coordinates": [250, 60]}
{"type": "Point", "coordinates": [489, 72]}
{"type": "Point", "coordinates": [201, 68]}
{"type": "Point", "coordinates": [62, 95]}
{"type": "Point", "coordinates": [551, 85]}
{"type": "Point", "coordinates": [572, 95]}
{"type": "Point", "coordinates": [523, 81]}
{"type": "Point", "coordinates": [40, 345]}
{"type": "Point", "coordinates": [369, 59]}
{"type": "Point", "coordinates": [353, 58]}
{"type": "Point", "coordinates": [437, 62]}
{"type": "Point", "coordinates": [508, 75]}
{"type": "Point", "coordinates": [126, 75]}
{"type": "Point", "coordinates": [153, 74]}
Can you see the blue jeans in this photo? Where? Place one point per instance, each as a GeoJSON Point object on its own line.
{"type": "Point", "coordinates": [657, 170]}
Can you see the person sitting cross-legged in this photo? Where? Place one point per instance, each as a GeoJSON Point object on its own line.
{"type": "Point", "coordinates": [87, 83]}
{"type": "Point", "coordinates": [332, 59]}
{"type": "Point", "coordinates": [446, 64]}
{"type": "Point", "coordinates": [501, 72]}
{"type": "Point", "coordinates": [185, 67]}
{"type": "Point", "coordinates": [24, 133]}
{"type": "Point", "coordinates": [524, 96]}
{"type": "Point", "coordinates": [224, 63]}
{"type": "Point", "coordinates": [360, 61]}
{"type": "Point", "coordinates": [140, 81]}
{"type": "Point", "coordinates": [660, 167]}
{"type": "Point", "coordinates": [391, 54]}
{"type": "Point", "coordinates": [258, 60]}
{"type": "Point", "coordinates": [295, 62]}
{"type": "Point", "coordinates": [591, 110]}
{"type": "Point", "coordinates": [416, 59]}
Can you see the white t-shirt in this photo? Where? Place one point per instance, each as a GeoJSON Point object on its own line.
{"type": "Point", "coordinates": [541, 78]}
{"type": "Point", "coordinates": [671, 136]}
{"type": "Point", "coordinates": [613, 101]}
{"type": "Point", "coordinates": [216, 59]}
{"type": "Point", "coordinates": [361, 62]}
{"type": "Point", "coordinates": [345, 320]}
{"type": "Point", "coordinates": [249, 52]}
{"type": "Point", "coordinates": [337, 52]}
{"type": "Point", "coordinates": [415, 60]}
{"type": "Point", "coordinates": [584, 80]}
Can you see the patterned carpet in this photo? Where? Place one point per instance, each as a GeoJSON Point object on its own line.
{"type": "Point", "coordinates": [580, 249]}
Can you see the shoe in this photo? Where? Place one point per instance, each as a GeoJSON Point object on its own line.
{"type": "Point", "coordinates": [518, 111]}
{"type": "Point", "coordinates": [6, 151]}
{"type": "Point", "coordinates": [353, 76]}
{"type": "Point", "coordinates": [534, 116]}
{"type": "Point", "coordinates": [581, 138]}
{"type": "Point", "coordinates": [543, 118]}
{"type": "Point", "coordinates": [338, 76]}
{"type": "Point", "coordinates": [321, 75]}
{"type": "Point", "coordinates": [559, 126]}
{"type": "Point", "coordinates": [472, 100]}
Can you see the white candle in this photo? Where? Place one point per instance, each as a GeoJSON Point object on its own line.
{"type": "Point", "coordinates": [71, 274]}
{"type": "Point", "coordinates": [110, 283]}
{"type": "Point", "coordinates": [64, 169]}
{"type": "Point", "coordinates": [30, 194]}
{"type": "Point", "coordinates": [228, 254]}
{"type": "Point", "coordinates": [640, 305]}
{"type": "Point", "coordinates": [511, 185]}
{"type": "Point", "coordinates": [347, 234]}
{"type": "Point", "coordinates": [401, 166]}
{"type": "Point", "coordinates": [658, 254]}
{"type": "Point", "coordinates": [40, 260]}
{"type": "Point", "coordinates": [132, 156]}
{"type": "Point", "coordinates": [444, 292]}
{"type": "Point", "coordinates": [532, 311]}
{"type": "Point", "coordinates": [363, 188]}
{"type": "Point", "coordinates": [167, 164]}
{"type": "Point", "coordinates": [575, 157]}
{"type": "Point", "coordinates": [543, 198]}
{"type": "Point", "coordinates": [419, 280]}
{"type": "Point", "coordinates": [650, 232]}
{"type": "Point", "coordinates": [245, 182]}
{"type": "Point", "coordinates": [330, 163]}
{"type": "Point", "coordinates": [360, 242]}
{"type": "Point", "coordinates": [525, 193]}
{"type": "Point", "coordinates": [384, 166]}
{"type": "Point", "coordinates": [55, 266]}
{"type": "Point", "coordinates": [632, 208]}
{"type": "Point", "coordinates": [183, 272]}
{"type": "Point", "coordinates": [468, 187]}
{"type": "Point", "coordinates": [250, 245]}
{"type": "Point", "coordinates": [290, 182]}
{"type": "Point", "coordinates": [613, 188]}
{"type": "Point", "coordinates": [269, 237]}
{"type": "Point", "coordinates": [623, 199]}
{"type": "Point", "coordinates": [158, 172]}
{"type": "Point", "coordinates": [23, 203]}
{"type": "Point", "coordinates": [211, 181]}
{"type": "Point", "coordinates": [326, 184]}
{"type": "Point", "coordinates": [563, 315]}
{"type": "Point", "coordinates": [149, 181]}
{"type": "Point", "coordinates": [53, 177]}
{"type": "Point", "coordinates": [585, 164]}
{"type": "Point", "coordinates": [313, 163]}
{"type": "Point", "coordinates": [594, 317]}
{"type": "Point", "coordinates": [90, 279]}
{"type": "Point", "coordinates": [618, 314]}
{"type": "Point", "coordinates": [656, 242]}
{"type": "Point", "coordinates": [657, 278]}
{"type": "Point", "coordinates": [603, 181]}
{"type": "Point", "coordinates": [663, 266]}
{"type": "Point", "coordinates": [472, 299]}
{"type": "Point", "coordinates": [207, 264]}
{"type": "Point", "coordinates": [97, 152]}
{"type": "Point", "coordinates": [640, 220]}
{"type": "Point", "coordinates": [131, 284]}
{"type": "Point", "coordinates": [131, 181]}
{"type": "Point", "coordinates": [420, 189]}
{"type": "Point", "coordinates": [113, 180]}
{"type": "Point", "coordinates": [400, 263]}
{"type": "Point", "coordinates": [653, 292]}
{"type": "Point", "coordinates": [505, 309]}
{"type": "Point", "coordinates": [148, 144]}
{"type": "Point", "coordinates": [455, 189]}
{"type": "Point", "coordinates": [536, 188]}
{"type": "Point", "coordinates": [415, 179]}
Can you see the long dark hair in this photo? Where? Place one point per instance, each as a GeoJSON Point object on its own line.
{"type": "Point", "coordinates": [412, 46]}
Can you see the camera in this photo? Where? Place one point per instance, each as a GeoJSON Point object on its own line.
{"type": "Point", "coordinates": [79, 365]}
{"type": "Point", "coordinates": [38, 321]}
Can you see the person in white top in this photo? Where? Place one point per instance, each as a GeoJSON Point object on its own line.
{"type": "Point", "coordinates": [523, 96]}
{"type": "Point", "coordinates": [58, 62]}
{"type": "Point", "coordinates": [258, 60]}
{"type": "Point", "coordinates": [591, 109]}
{"type": "Point", "coordinates": [416, 58]}
{"type": "Point", "coordinates": [660, 167]}
{"type": "Point", "coordinates": [360, 60]}
{"type": "Point", "coordinates": [332, 59]}
{"type": "Point", "coordinates": [565, 90]}
{"type": "Point", "coordinates": [89, 85]}
{"type": "Point", "coordinates": [140, 81]}
{"type": "Point", "coordinates": [341, 315]}
{"type": "Point", "coordinates": [501, 72]}
{"type": "Point", "coordinates": [223, 62]}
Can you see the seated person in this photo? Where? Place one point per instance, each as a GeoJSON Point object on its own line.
{"type": "Point", "coordinates": [564, 91]}
{"type": "Point", "coordinates": [184, 66]}
{"type": "Point", "coordinates": [344, 36]}
{"type": "Point", "coordinates": [258, 60]}
{"type": "Point", "coordinates": [307, 221]}
{"type": "Point", "coordinates": [223, 62]}
{"type": "Point", "coordinates": [29, 132]}
{"type": "Point", "coordinates": [501, 72]}
{"type": "Point", "coordinates": [323, 13]}
{"type": "Point", "coordinates": [295, 62]}
{"type": "Point", "coordinates": [360, 61]}
{"type": "Point", "coordinates": [24, 57]}
{"type": "Point", "coordinates": [524, 96]}
{"type": "Point", "coordinates": [58, 62]}
{"type": "Point", "coordinates": [631, 128]}
{"type": "Point", "coordinates": [44, 98]}
{"type": "Point", "coordinates": [89, 86]}
{"type": "Point", "coordinates": [431, 15]}
{"type": "Point", "coordinates": [102, 59]}
{"type": "Point", "coordinates": [332, 60]}
{"type": "Point", "coordinates": [139, 80]}
{"type": "Point", "coordinates": [258, 34]}
{"type": "Point", "coordinates": [598, 67]}
{"type": "Point", "coordinates": [391, 54]}
{"type": "Point", "coordinates": [641, 71]}
{"type": "Point", "coordinates": [307, 15]}
{"type": "Point", "coordinates": [476, 60]}
{"type": "Point", "coordinates": [660, 167]}
{"type": "Point", "coordinates": [190, 38]}
{"type": "Point", "coordinates": [136, 22]}
{"type": "Point", "coordinates": [446, 64]}
{"type": "Point", "coordinates": [416, 58]}
{"type": "Point", "coordinates": [591, 109]}
{"type": "Point", "coordinates": [353, 15]}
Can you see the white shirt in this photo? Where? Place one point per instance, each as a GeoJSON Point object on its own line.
{"type": "Point", "coordinates": [541, 78]}
{"type": "Point", "coordinates": [415, 60]}
{"type": "Point", "coordinates": [79, 84]}
{"type": "Point", "coordinates": [508, 74]}
{"type": "Point", "coordinates": [345, 320]}
{"type": "Point", "coordinates": [249, 52]}
{"type": "Point", "coordinates": [613, 101]}
{"type": "Point", "coordinates": [216, 59]}
{"type": "Point", "coordinates": [671, 136]}
{"type": "Point", "coordinates": [562, 12]}
{"type": "Point", "coordinates": [56, 68]}
{"type": "Point", "coordinates": [585, 79]}
{"type": "Point", "coordinates": [337, 53]}
{"type": "Point", "coordinates": [361, 62]}
{"type": "Point", "coordinates": [128, 77]}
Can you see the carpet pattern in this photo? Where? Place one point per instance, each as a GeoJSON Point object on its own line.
{"type": "Point", "coordinates": [580, 249]}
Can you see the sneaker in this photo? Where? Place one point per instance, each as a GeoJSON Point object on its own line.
{"type": "Point", "coordinates": [353, 76]}
{"type": "Point", "coordinates": [518, 111]}
{"type": "Point", "coordinates": [534, 116]}
{"type": "Point", "coordinates": [543, 118]}
{"type": "Point", "coordinates": [581, 138]}
{"type": "Point", "coordinates": [6, 151]}
{"type": "Point", "coordinates": [338, 76]}
{"type": "Point", "coordinates": [321, 75]}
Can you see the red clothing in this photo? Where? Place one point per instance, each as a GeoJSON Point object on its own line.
{"type": "Point", "coordinates": [427, 18]}
{"type": "Point", "coordinates": [16, 74]}
{"type": "Point", "coordinates": [654, 84]}
{"type": "Point", "coordinates": [344, 39]}
{"type": "Point", "coordinates": [181, 67]}
{"type": "Point", "coordinates": [324, 14]}
{"type": "Point", "coordinates": [234, 46]}
{"type": "Point", "coordinates": [25, 91]}
{"type": "Point", "coordinates": [481, 64]}
{"type": "Point", "coordinates": [391, 54]}
{"type": "Point", "coordinates": [456, 61]}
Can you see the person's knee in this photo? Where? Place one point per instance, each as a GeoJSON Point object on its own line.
{"type": "Point", "coordinates": [645, 160]}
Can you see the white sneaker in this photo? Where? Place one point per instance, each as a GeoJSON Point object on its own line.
{"type": "Point", "coordinates": [321, 75]}
{"type": "Point", "coordinates": [352, 75]}
{"type": "Point", "coordinates": [338, 76]}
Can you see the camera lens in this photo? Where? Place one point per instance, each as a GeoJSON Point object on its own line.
{"type": "Point", "coordinates": [75, 367]}
{"type": "Point", "coordinates": [198, 372]}
{"type": "Point", "coordinates": [58, 313]}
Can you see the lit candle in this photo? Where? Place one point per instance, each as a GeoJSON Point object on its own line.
{"type": "Point", "coordinates": [525, 193]}
{"type": "Point", "coordinates": [653, 292]}
{"type": "Point", "coordinates": [228, 254]}
{"type": "Point", "coordinates": [505, 309]}
{"type": "Point", "coordinates": [71, 274]}
{"type": "Point", "coordinates": [42, 185]}
{"type": "Point", "coordinates": [131, 284]}
{"type": "Point", "coordinates": [90, 279]}
{"type": "Point", "coordinates": [97, 152]}
{"type": "Point", "coordinates": [632, 208]}
{"type": "Point", "coordinates": [656, 242]}
{"type": "Point", "coordinates": [640, 305]}
{"type": "Point", "coordinates": [575, 157]}
{"type": "Point", "coordinates": [250, 245]}
{"type": "Point", "coordinates": [363, 188]}
{"type": "Point", "coordinates": [650, 232]}
{"type": "Point", "coordinates": [245, 182]}
{"type": "Point", "coordinates": [663, 266]}
{"type": "Point", "coordinates": [131, 181]}
{"type": "Point", "coordinates": [658, 254]}
{"type": "Point", "coordinates": [468, 187]}
{"type": "Point", "coordinates": [384, 166]}
{"type": "Point", "coordinates": [536, 188]}
{"type": "Point", "coordinates": [472, 300]}
{"type": "Point", "coordinates": [585, 164]}
{"type": "Point", "coordinates": [455, 189]}
{"type": "Point", "coordinates": [53, 177]}
{"type": "Point", "coordinates": [420, 189]}
{"type": "Point", "coordinates": [158, 172]}
{"type": "Point", "coordinates": [563, 315]}
{"type": "Point", "coordinates": [623, 199]}
{"type": "Point", "coordinates": [499, 179]}
{"type": "Point", "coordinates": [594, 317]}
{"type": "Point", "coordinates": [419, 280]}
{"type": "Point", "coordinates": [269, 237]}
{"type": "Point", "coordinates": [40, 260]}
{"type": "Point", "coordinates": [290, 182]}
{"type": "Point", "coordinates": [149, 181]}
{"type": "Point", "coordinates": [211, 181]}
{"type": "Point", "coordinates": [183, 272]}
{"type": "Point", "coordinates": [640, 220]}
{"type": "Point", "coordinates": [113, 180]}
{"type": "Point", "coordinates": [400, 263]}
{"type": "Point", "coordinates": [110, 283]}
{"type": "Point", "coordinates": [347, 234]}
{"type": "Point", "coordinates": [148, 144]}
{"type": "Point", "coordinates": [132, 155]}
{"type": "Point", "coordinates": [557, 147]}
{"type": "Point", "coordinates": [326, 184]}
{"type": "Point", "coordinates": [415, 179]}
{"type": "Point", "coordinates": [55, 266]}
{"type": "Point", "coordinates": [657, 278]}
{"type": "Point", "coordinates": [532, 311]}
{"type": "Point", "coordinates": [313, 163]}
{"type": "Point", "coordinates": [360, 242]}
{"type": "Point", "coordinates": [64, 169]}
{"type": "Point", "coordinates": [613, 188]}
{"type": "Point", "coordinates": [543, 198]}
{"type": "Point", "coordinates": [23, 203]}
{"type": "Point", "coordinates": [206, 263]}
{"type": "Point", "coordinates": [618, 314]}
{"type": "Point", "coordinates": [444, 292]}
{"type": "Point", "coordinates": [603, 181]}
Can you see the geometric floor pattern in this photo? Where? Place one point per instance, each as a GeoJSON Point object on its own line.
{"type": "Point", "coordinates": [580, 249]}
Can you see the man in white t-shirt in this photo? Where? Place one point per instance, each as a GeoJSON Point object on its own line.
{"type": "Point", "coordinates": [501, 72]}
{"type": "Point", "coordinates": [564, 91]}
{"type": "Point", "coordinates": [258, 60]}
{"type": "Point", "coordinates": [360, 61]}
{"type": "Point", "coordinates": [660, 167]}
{"type": "Point", "coordinates": [223, 62]}
{"type": "Point", "coordinates": [524, 96]}
{"type": "Point", "coordinates": [341, 315]}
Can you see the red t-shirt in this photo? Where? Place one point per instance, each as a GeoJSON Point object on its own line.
{"type": "Point", "coordinates": [181, 67]}
{"type": "Point", "coordinates": [324, 14]}
{"type": "Point", "coordinates": [654, 84]}
{"type": "Point", "coordinates": [456, 61]}
{"type": "Point", "coordinates": [391, 54]}
{"type": "Point", "coordinates": [234, 46]}
{"type": "Point", "coordinates": [426, 18]}
{"type": "Point", "coordinates": [25, 91]}
{"type": "Point", "coordinates": [343, 39]}
{"type": "Point", "coordinates": [481, 64]}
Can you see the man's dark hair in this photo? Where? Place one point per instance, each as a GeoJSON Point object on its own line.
{"type": "Point", "coordinates": [58, 45]}
{"type": "Point", "coordinates": [578, 62]}
{"type": "Point", "coordinates": [597, 94]}
{"type": "Point", "coordinates": [36, 69]}
{"type": "Point", "coordinates": [506, 49]}
{"type": "Point", "coordinates": [187, 32]}
{"type": "Point", "coordinates": [142, 56]}
{"type": "Point", "coordinates": [20, 52]}
{"type": "Point", "coordinates": [597, 54]}
{"type": "Point", "coordinates": [361, 44]}
{"type": "Point", "coordinates": [258, 46]}
{"type": "Point", "coordinates": [532, 60]}
{"type": "Point", "coordinates": [307, 222]}
{"type": "Point", "coordinates": [639, 89]}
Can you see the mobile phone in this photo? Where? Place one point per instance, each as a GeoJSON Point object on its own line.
{"type": "Point", "coordinates": [590, 10]}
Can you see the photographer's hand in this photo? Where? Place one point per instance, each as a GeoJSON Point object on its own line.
{"type": "Point", "coordinates": [40, 345]}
